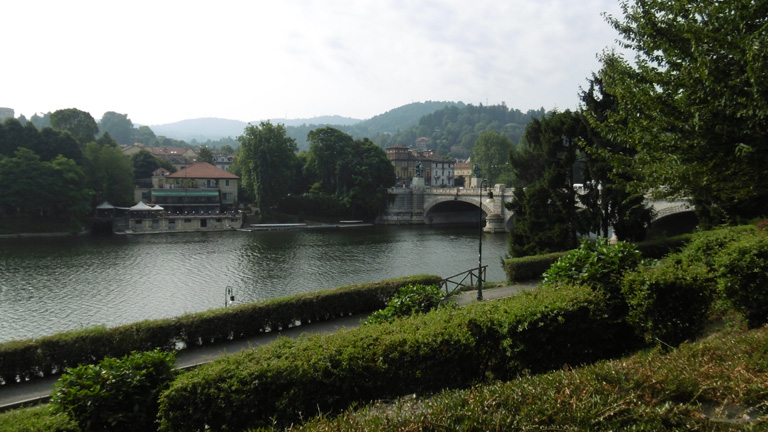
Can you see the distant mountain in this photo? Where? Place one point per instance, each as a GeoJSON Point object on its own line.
{"type": "Point", "coordinates": [210, 128]}
{"type": "Point", "coordinates": [201, 129]}
{"type": "Point", "coordinates": [392, 121]}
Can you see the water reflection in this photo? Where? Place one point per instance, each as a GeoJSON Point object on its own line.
{"type": "Point", "coordinates": [52, 285]}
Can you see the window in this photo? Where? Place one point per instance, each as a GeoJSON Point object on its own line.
{"type": "Point", "coordinates": [171, 223]}
{"type": "Point", "coordinates": [226, 182]}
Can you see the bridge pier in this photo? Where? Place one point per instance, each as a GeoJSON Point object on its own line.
{"type": "Point", "coordinates": [494, 223]}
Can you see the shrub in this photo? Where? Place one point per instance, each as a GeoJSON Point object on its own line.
{"type": "Point", "coordinates": [30, 359]}
{"type": "Point", "coordinates": [706, 245]}
{"type": "Point", "coordinates": [446, 348]}
{"type": "Point", "coordinates": [529, 267]}
{"type": "Point", "coordinates": [410, 299]}
{"type": "Point", "coordinates": [597, 264]}
{"type": "Point", "coordinates": [116, 394]}
{"type": "Point", "coordinates": [668, 302]}
{"type": "Point", "coordinates": [743, 277]}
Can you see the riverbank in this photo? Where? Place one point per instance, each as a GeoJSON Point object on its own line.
{"type": "Point", "coordinates": [39, 391]}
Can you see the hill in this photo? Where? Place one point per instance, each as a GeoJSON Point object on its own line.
{"type": "Point", "coordinates": [204, 129]}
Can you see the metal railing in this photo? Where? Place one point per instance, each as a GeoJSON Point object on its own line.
{"type": "Point", "coordinates": [467, 282]}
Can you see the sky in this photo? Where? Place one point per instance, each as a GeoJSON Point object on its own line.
{"type": "Point", "coordinates": [163, 61]}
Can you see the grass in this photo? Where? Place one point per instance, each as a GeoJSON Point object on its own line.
{"type": "Point", "coordinates": [717, 384]}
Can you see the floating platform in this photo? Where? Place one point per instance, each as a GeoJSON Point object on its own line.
{"type": "Point", "coordinates": [303, 226]}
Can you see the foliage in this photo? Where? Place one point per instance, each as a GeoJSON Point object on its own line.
{"type": "Point", "coordinates": [599, 265]}
{"type": "Point", "coordinates": [118, 126]}
{"type": "Point", "coordinates": [79, 123]}
{"type": "Point", "coordinates": [357, 172]}
{"type": "Point", "coordinates": [35, 187]}
{"type": "Point", "coordinates": [146, 136]}
{"type": "Point", "coordinates": [454, 130]}
{"type": "Point", "coordinates": [30, 359]}
{"type": "Point", "coordinates": [743, 276]}
{"type": "Point", "coordinates": [266, 164]}
{"type": "Point", "coordinates": [544, 206]}
{"type": "Point", "coordinates": [447, 348]}
{"type": "Point", "coordinates": [692, 102]}
{"type": "Point", "coordinates": [608, 202]}
{"type": "Point", "coordinates": [668, 302]}
{"type": "Point", "coordinates": [116, 394]}
{"type": "Point", "coordinates": [718, 385]}
{"type": "Point", "coordinates": [313, 204]}
{"type": "Point", "coordinates": [204, 154]}
{"type": "Point", "coordinates": [109, 173]}
{"type": "Point", "coordinates": [144, 164]}
{"type": "Point", "coordinates": [42, 418]}
{"type": "Point", "coordinates": [491, 152]}
{"type": "Point", "coordinates": [529, 267]}
{"type": "Point", "coordinates": [409, 300]}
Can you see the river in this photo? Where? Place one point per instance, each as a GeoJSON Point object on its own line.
{"type": "Point", "coordinates": [49, 285]}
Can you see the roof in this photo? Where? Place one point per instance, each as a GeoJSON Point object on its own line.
{"type": "Point", "coordinates": [203, 170]}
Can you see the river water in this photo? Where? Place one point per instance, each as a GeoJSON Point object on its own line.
{"type": "Point", "coordinates": [57, 284]}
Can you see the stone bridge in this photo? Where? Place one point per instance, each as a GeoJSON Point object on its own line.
{"type": "Point", "coordinates": [433, 206]}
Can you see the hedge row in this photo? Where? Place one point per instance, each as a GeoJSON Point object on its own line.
{"type": "Point", "coordinates": [447, 348]}
{"type": "Point", "coordinates": [29, 359]}
{"type": "Point", "coordinates": [532, 267]}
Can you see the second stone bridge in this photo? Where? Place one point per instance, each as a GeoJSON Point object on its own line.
{"type": "Point", "coordinates": [422, 205]}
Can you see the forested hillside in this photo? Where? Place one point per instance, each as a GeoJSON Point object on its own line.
{"type": "Point", "coordinates": [453, 130]}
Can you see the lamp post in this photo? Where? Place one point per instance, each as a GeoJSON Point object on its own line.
{"type": "Point", "coordinates": [480, 249]}
{"type": "Point", "coordinates": [229, 296]}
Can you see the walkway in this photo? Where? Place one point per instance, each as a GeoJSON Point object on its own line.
{"type": "Point", "coordinates": [39, 391]}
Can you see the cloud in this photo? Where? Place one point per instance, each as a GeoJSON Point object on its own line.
{"type": "Point", "coordinates": [245, 60]}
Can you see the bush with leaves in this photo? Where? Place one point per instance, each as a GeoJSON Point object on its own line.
{"type": "Point", "coordinates": [597, 264]}
{"type": "Point", "coordinates": [668, 302]}
{"type": "Point", "coordinates": [116, 394]}
{"type": "Point", "coordinates": [410, 299]}
{"type": "Point", "coordinates": [743, 276]}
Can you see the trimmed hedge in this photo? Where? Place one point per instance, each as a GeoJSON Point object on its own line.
{"type": "Point", "coordinates": [30, 359]}
{"type": "Point", "coordinates": [743, 276]}
{"type": "Point", "coordinates": [529, 267]}
{"type": "Point", "coordinates": [533, 267]}
{"type": "Point", "coordinates": [668, 302]}
{"type": "Point", "coordinates": [447, 348]}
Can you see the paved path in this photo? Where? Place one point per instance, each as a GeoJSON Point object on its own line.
{"type": "Point", "coordinates": [38, 391]}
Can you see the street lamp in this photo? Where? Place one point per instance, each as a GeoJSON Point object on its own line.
{"type": "Point", "coordinates": [229, 296]}
{"type": "Point", "coordinates": [480, 249]}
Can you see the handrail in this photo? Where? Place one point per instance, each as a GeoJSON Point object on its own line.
{"type": "Point", "coordinates": [471, 274]}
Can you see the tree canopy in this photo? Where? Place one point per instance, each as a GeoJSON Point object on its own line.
{"type": "Point", "coordinates": [693, 102]}
{"type": "Point", "coordinates": [80, 124]}
{"type": "Point", "coordinates": [266, 163]}
{"type": "Point", "coordinates": [119, 126]}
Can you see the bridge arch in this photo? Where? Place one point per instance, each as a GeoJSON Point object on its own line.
{"type": "Point", "coordinates": [475, 201]}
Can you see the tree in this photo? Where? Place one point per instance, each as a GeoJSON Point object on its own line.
{"type": "Point", "coordinates": [694, 102]}
{"type": "Point", "coordinates": [144, 164]}
{"type": "Point", "coordinates": [79, 123]}
{"type": "Point", "coordinates": [329, 159]}
{"type": "Point", "coordinates": [266, 161]}
{"type": "Point", "coordinates": [109, 173]}
{"type": "Point", "coordinates": [372, 174]}
{"type": "Point", "coordinates": [204, 154]}
{"type": "Point", "coordinates": [146, 136]}
{"type": "Point", "coordinates": [491, 152]}
{"type": "Point", "coordinates": [608, 202]}
{"type": "Point", "coordinates": [119, 126]}
{"type": "Point", "coordinates": [544, 205]}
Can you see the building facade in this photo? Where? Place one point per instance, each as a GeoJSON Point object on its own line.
{"type": "Point", "coordinates": [436, 170]}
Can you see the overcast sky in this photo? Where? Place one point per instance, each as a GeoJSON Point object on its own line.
{"type": "Point", "coordinates": [162, 61]}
